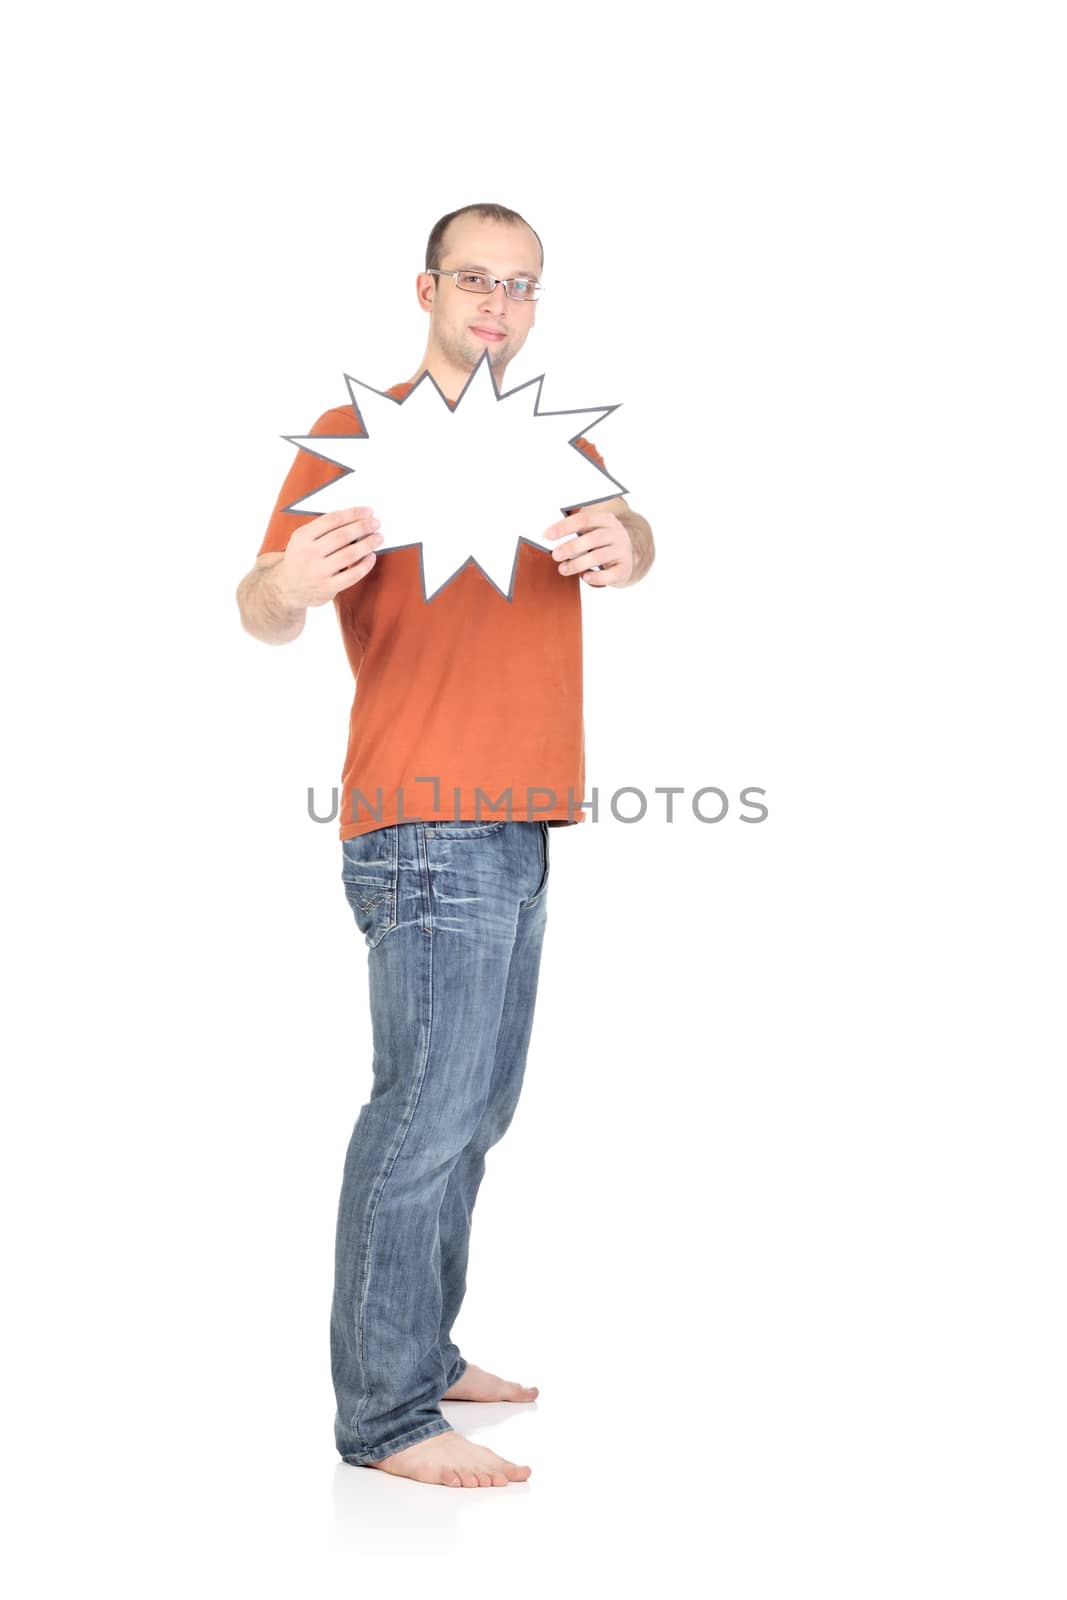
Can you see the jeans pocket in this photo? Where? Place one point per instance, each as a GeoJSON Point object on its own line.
{"type": "Point", "coordinates": [546, 857]}
{"type": "Point", "coordinates": [369, 874]}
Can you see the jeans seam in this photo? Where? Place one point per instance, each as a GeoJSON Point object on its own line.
{"type": "Point", "coordinates": [408, 1120]}
{"type": "Point", "coordinates": [425, 924]}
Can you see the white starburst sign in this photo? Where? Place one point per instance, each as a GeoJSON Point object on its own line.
{"type": "Point", "coordinates": [466, 483]}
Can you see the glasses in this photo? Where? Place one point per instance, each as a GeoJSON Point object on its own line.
{"type": "Point", "coordinates": [485, 283]}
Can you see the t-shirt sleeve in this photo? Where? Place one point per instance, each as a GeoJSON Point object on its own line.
{"type": "Point", "coordinates": [307, 474]}
{"type": "Point", "coordinates": [591, 451]}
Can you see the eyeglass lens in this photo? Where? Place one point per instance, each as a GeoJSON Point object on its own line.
{"type": "Point", "coordinates": [481, 283]}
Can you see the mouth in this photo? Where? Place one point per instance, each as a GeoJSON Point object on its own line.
{"type": "Point", "coordinates": [490, 335]}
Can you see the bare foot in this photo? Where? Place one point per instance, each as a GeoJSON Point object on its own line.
{"type": "Point", "coordinates": [451, 1459]}
{"type": "Point", "coordinates": [477, 1384]}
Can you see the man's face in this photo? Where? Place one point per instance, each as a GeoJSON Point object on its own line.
{"type": "Point", "coordinates": [464, 325]}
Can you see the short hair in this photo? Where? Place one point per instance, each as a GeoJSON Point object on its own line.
{"type": "Point", "coordinates": [489, 213]}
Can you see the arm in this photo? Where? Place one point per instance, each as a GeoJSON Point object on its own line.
{"type": "Point", "coordinates": [641, 540]}
{"type": "Point", "coordinates": [324, 557]}
{"type": "Point", "coordinates": [613, 546]}
{"type": "Point", "coordinates": [307, 561]}
{"type": "Point", "coordinates": [608, 536]}
{"type": "Point", "coordinates": [265, 613]}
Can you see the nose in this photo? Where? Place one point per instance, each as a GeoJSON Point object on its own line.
{"type": "Point", "coordinates": [497, 301]}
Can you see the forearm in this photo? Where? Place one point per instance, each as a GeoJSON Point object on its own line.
{"type": "Point", "coordinates": [265, 613]}
{"type": "Point", "coordinates": [643, 547]}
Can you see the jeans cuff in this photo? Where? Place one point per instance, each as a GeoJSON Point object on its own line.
{"type": "Point", "coordinates": [363, 1458]}
{"type": "Point", "coordinates": [457, 1372]}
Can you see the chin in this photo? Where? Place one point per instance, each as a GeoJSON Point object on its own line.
{"type": "Point", "coordinates": [495, 353]}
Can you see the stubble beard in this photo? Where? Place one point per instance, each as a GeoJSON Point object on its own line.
{"type": "Point", "coordinates": [464, 351]}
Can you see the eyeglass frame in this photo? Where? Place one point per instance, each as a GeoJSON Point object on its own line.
{"type": "Point", "coordinates": [439, 272]}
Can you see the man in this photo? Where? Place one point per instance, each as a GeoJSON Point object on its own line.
{"type": "Point", "coordinates": [462, 698]}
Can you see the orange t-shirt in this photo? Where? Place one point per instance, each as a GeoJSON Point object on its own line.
{"type": "Point", "coordinates": [469, 688]}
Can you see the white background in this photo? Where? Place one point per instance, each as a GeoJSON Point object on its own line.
{"type": "Point", "coordinates": [778, 1227]}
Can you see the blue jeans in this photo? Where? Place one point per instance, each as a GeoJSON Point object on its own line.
{"type": "Point", "coordinates": [453, 914]}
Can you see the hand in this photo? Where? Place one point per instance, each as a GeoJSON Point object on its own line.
{"type": "Point", "coordinates": [326, 555]}
{"type": "Point", "coordinates": [592, 537]}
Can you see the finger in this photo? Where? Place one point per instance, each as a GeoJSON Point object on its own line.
{"type": "Point", "coordinates": [582, 564]}
{"type": "Point", "coordinates": [587, 554]}
{"type": "Point", "coordinates": [345, 537]}
{"type": "Point", "coordinates": [347, 555]}
{"type": "Point", "coordinates": [352, 575]}
{"type": "Point", "coordinates": [340, 519]}
{"type": "Point", "coordinates": [578, 521]}
{"type": "Point", "coordinates": [568, 548]}
{"type": "Point", "coordinates": [593, 539]}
